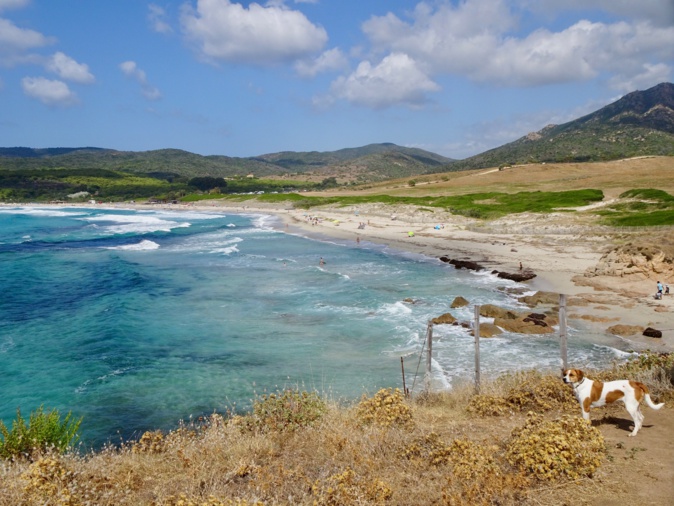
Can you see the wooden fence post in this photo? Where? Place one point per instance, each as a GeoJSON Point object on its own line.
{"type": "Point", "coordinates": [562, 330]}
{"type": "Point", "coordinates": [429, 356]}
{"type": "Point", "coordinates": [476, 332]}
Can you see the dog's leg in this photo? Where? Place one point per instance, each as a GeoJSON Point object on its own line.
{"type": "Point", "coordinates": [638, 418]}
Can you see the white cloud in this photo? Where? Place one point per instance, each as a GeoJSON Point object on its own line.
{"type": "Point", "coordinates": [476, 39]}
{"type": "Point", "coordinates": [259, 35]}
{"type": "Point", "coordinates": [48, 92]}
{"type": "Point", "coordinates": [130, 69]}
{"type": "Point", "coordinates": [330, 60]}
{"type": "Point", "coordinates": [15, 41]}
{"type": "Point", "coordinates": [157, 17]}
{"type": "Point", "coordinates": [397, 79]}
{"type": "Point", "coordinates": [69, 69]}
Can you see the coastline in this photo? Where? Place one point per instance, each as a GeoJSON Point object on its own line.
{"type": "Point", "coordinates": [557, 256]}
{"type": "Point", "coordinates": [549, 246]}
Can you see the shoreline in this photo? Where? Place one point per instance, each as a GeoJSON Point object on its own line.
{"type": "Point", "coordinates": [544, 245]}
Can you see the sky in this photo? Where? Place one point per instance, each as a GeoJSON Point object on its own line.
{"type": "Point", "coordinates": [220, 77]}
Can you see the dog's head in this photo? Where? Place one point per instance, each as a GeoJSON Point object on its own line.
{"type": "Point", "coordinates": [572, 376]}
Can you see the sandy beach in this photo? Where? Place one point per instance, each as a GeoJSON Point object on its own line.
{"type": "Point", "coordinates": [556, 247]}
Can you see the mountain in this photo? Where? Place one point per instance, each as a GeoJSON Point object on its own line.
{"type": "Point", "coordinates": [638, 124]}
{"type": "Point", "coordinates": [367, 163]}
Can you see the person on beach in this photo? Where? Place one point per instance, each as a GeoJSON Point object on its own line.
{"type": "Point", "coordinates": [658, 295]}
{"type": "Point", "coordinates": [321, 261]}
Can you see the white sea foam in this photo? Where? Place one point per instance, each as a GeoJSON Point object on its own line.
{"type": "Point", "coordinates": [54, 212]}
{"type": "Point", "coordinates": [133, 223]}
{"type": "Point", "coordinates": [143, 245]}
{"type": "Point", "coordinates": [396, 308]}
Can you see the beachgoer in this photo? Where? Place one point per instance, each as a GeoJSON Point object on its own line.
{"type": "Point", "coordinates": [321, 261]}
{"type": "Point", "coordinates": [659, 285]}
{"type": "Point", "coordinates": [358, 240]}
{"type": "Point", "coordinates": [520, 265]}
{"type": "Point", "coordinates": [666, 289]}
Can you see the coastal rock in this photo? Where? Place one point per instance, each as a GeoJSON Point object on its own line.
{"type": "Point", "coordinates": [634, 259]}
{"type": "Point", "coordinates": [443, 319]}
{"type": "Point", "coordinates": [459, 302]}
{"type": "Point", "coordinates": [488, 330]}
{"type": "Point", "coordinates": [650, 332]}
{"type": "Point", "coordinates": [515, 276]}
{"type": "Point", "coordinates": [409, 301]}
{"type": "Point", "coordinates": [492, 311]}
{"type": "Point", "coordinates": [524, 326]}
{"type": "Point", "coordinates": [540, 297]}
{"type": "Point", "coordinates": [625, 330]}
{"type": "Point", "coordinates": [463, 264]}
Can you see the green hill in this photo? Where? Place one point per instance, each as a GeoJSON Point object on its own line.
{"type": "Point", "coordinates": [640, 123]}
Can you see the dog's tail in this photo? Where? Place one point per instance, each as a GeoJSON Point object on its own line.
{"type": "Point", "coordinates": [651, 404]}
{"type": "Point", "coordinates": [647, 396]}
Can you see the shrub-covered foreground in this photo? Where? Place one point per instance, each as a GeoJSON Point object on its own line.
{"type": "Point", "coordinates": [298, 448]}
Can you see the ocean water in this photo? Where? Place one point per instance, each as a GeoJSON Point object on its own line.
{"type": "Point", "coordinates": [136, 320]}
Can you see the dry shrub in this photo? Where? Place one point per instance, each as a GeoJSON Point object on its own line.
{"type": "Point", "coordinates": [655, 370]}
{"type": "Point", "coordinates": [347, 487]}
{"type": "Point", "coordinates": [287, 411]}
{"type": "Point", "coordinates": [387, 408]}
{"type": "Point", "coordinates": [149, 442]}
{"type": "Point", "coordinates": [50, 481]}
{"type": "Point", "coordinates": [568, 447]}
{"type": "Point", "coordinates": [522, 391]}
{"type": "Point", "coordinates": [183, 500]}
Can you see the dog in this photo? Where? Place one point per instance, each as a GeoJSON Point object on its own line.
{"type": "Point", "coordinates": [594, 394]}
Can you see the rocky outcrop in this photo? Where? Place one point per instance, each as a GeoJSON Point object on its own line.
{"type": "Point", "coordinates": [625, 330]}
{"type": "Point", "coordinates": [524, 325]}
{"type": "Point", "coordinates": [443, 319]}
{"type": "Point", "coordinates": [550, 298]}
{"type": "Point", "coordinates": [650, 332]}
{"type": "Point", "coordinates": [515, 276]}
{"type": "Point", "coordinates": [634, 259]}
{"type": "Point", "coordinates": [492, 311]}
{"type": "Point", "coordinates": [459, 302]}
{"type": "Point", "coordinates": [488, 330]}
{"type": "Point", "coordinates": [463, 264]}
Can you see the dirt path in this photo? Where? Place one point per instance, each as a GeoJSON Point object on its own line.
{"type": "Point", "coordinates": [639, 470]}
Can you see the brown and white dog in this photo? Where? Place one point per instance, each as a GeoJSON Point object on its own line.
{"type": "Point", "coordinates": [594, 394]}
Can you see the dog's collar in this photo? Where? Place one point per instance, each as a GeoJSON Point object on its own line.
{"type": "Point", "coordinates": [580, 383]}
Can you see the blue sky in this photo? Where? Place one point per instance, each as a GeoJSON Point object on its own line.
{"type": "Point", "coordinates": [245, 79]}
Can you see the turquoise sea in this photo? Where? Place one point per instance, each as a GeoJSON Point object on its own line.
{"type": "Point", "coordinates": [136, 320]}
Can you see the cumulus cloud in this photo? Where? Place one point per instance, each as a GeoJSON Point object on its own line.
{"type": "Point", "coordinates": [131, 70]}
{"type": "Point", "coordinates": [476, 39]}
{"type": "Point", "coordinates": [50, 92]}
{"type": "Point", "coordinates": [397, 79]}
{"type": "Point", "coordinates": [224, 31]}
{"type": "Point", "coordinates": [158, 19]}
{"type": "Point", "coordinates": [15, 42]}
{"type": "Point", "coordinates": [330, 60]}
{"type": "Point", "coordinates": [69, 69]}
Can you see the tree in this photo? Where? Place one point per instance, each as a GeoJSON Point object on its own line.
{"type": "Point", "coordinates": [205, 183]}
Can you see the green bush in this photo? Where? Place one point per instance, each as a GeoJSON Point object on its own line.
{"type": "Point", "coordinates": [44, 430]}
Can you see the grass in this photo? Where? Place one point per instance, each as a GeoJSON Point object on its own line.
{"type": "Point", "coordinates": [478, 205]}
{"type": "Point", "coordinates": [384, 449]}
{"type": "Point", "coordinates": [640, 208]}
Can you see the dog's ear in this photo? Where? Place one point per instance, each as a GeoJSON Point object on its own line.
{"type": "Point", "coordinates": [579, 374]}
